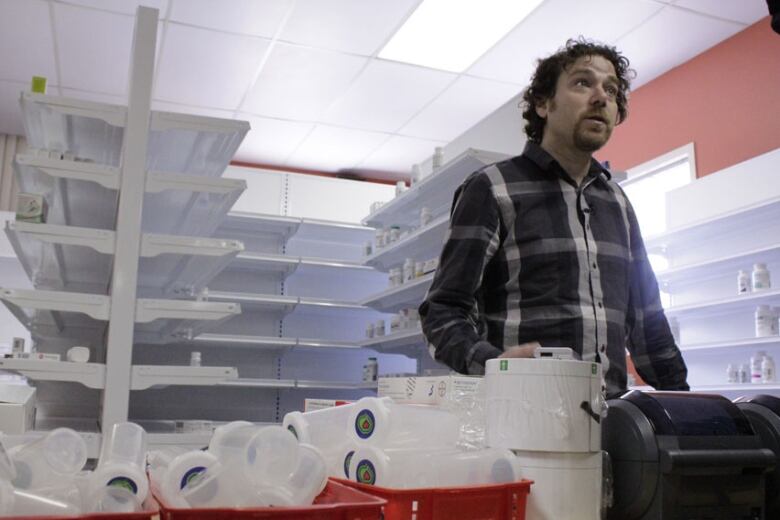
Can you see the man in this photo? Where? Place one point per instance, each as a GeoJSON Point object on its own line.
{"type": "Point", "coordinates": [544, 249]}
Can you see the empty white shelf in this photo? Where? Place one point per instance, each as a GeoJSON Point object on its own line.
{"type": "Point", "coordinates": [77, 315]}
{"type": "Point", "coordinates": [421, 245]}
{"type": "Point", "coordinates": [91, 375]}
{"type": "Point", "coordinates": [148, 376]}
{"type": "Point", "coordinates": [739, 344]}
{"type": "Point", "coordinates": [265, 302]}
{"type": "Point", "coordinates": [742, 302]}
{"type": "Point", "coordinates": [240, 224]}
{"type": "Point", "coordinates": [260, 383]}
{"type": "Point", "coordinates": [719, 225]}
{"type": "Point", "coordinates": [265, 263]}
{"type": "Point", "coordinates": [302, 384]}
{"type": "Point", "coordinates": [314, 263]}
{"type": "Point", "coordinates": [80, 259]}
{"type": "Point", "coordinates": [409, 294]}
{"type": "Point", "coordinates": [85, 195]}
{"type": "Point", "coordinates": [332, 231]}
{"type": "Point", "coordinates": [434, 191]}
{"type": "Point", "coordinates": [269, 342]}
{"type": "Point", "coordinates": [165, 320]}
{"type": "Point", "coordinates": [728, 264]}
{"type": "Point", "coordinates": [404, 340]}
{"type": "Point", "coordinates": [178, 143]}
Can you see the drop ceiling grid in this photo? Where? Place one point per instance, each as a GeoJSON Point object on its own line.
{"type": "Point", "coordinates": [347, 33]}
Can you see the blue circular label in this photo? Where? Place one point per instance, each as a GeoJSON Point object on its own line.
{"type": "Point", "coordinates": [365, 473]}
{"type": "Point", "coordinates": [347, 460]}
{"type": "Point", "coordinates": [190, 475]}
{"type": "Point", "coordinates": [124, 482]}
{"type": "Point", "coordinates": [365, 423]}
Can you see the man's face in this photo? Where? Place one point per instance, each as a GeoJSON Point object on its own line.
{"type": "Point", "coordinates": [583, 111]}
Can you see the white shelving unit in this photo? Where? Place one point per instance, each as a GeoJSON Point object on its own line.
{"type": "Point", "coordinates": [434, 191]}
{"type": "Point", "coordinates": [122, 185]}
{"type": "Point", "coordinates": [422, 244]}
{"type": "Point", "coordinates": [397, 298]}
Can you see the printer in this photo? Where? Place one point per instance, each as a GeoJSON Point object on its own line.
{"type": "Point", "coordinates": [682, 455]}
{"type": "Point", "coordinates": [763, 412]}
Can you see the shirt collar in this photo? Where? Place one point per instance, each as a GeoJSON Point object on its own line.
{"type": "Point", "coordinates": [547, 163]}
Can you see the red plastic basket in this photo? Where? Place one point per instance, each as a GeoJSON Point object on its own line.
{"type": "Point", "coordinates": [336, 502]}
{"type": "Point", "coordinates": [489, 502]}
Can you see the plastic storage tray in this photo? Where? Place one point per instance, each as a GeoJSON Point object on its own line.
{"type": "Point", "coordinates": [336, 502]}
{"type": "Point", "coordinates": [494, 502]}
{"type": "Point", "coordinates": [143, 515]}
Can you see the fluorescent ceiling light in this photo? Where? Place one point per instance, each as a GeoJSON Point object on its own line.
{"type": "Point", "coordinates": [451, 34]}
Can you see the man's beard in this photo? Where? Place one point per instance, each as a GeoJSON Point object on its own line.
{"type": "Point", "coordinates": [589, 141]}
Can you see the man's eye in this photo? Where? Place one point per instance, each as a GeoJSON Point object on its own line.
{"type": "Point", "coordinates": [612, 91]}
{"type": "Point", "coordinates": [582, 82]}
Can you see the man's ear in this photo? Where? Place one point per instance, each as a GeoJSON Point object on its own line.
{"type": "Point", "coordinates": [542, 108]}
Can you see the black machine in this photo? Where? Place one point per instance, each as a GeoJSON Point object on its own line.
{"type": "Point", "coordinates": [763, 412]}
{"type": "Point", "coordinates": [684, 456]}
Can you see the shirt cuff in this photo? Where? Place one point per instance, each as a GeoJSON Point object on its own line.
{"type": "Point", "coordinates": [479, 354]}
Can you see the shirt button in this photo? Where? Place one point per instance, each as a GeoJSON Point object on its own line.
{"type": "Point", "coordinates": [588, 227]}
{"type": "Point", "coordinates": [601, 306]}
{"type": "Point", "coordinates": [603, 348]}
{"type": "Point", "coordinates": [595, 266]}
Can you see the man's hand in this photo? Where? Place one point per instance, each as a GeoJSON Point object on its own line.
{"type": "Point", "coordinates": [526, 350]}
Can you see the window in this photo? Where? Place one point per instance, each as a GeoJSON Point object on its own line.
{"type": "Point", "coordinates": [648, 183]}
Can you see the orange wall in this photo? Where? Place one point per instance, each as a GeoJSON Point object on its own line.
{"type": "Point", "coordinates": [725, 100]}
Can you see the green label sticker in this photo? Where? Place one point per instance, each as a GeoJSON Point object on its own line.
{"type": "Point", "coordinates": [123, 482]}
{"type": "Point", "coordinates": [594, 369]}
{"type": "Point", "coordinates": [504, 365]}
{"type": "Point", "coordinates": [365, 424]}
{"type": "Point", "coordinates": [365, 473]}
{"type": "Point", "coordinates": [39, 84]}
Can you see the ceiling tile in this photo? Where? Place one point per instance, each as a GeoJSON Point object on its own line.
{"type": "Point", "coordinates": [546, 29]}
{"type": "Point", "coordinates": [398, 155]}
{"type": "Point", "coordinates": [201, 67]}
{"type": "Point", "coordinates": [464, 104]}
{"type": "Point", "coordinates": [165, 106]}
{"type": "Point", "coordinates": [85, 65]}
{"type": "Point", "coordinates": [346, 25]}
{"type": "Point", "coordinates": [10, 113]}
{"type": "Point", "coordinates": [271, 141]}
{"type": "Point", "coordinates": [301, 83]}
{"type": "Point", "coordinates": [743, 11]}
{"type": "Point", "coordinates": [677, 36]}
{"type": "Point", "coordinates": [26, 43]}
{"type": "Point", "coordinates": [387, 95]}
{"type": "Point", "coordinates": [121, 6]}
{"type": "Point", "coordinates": [329, 148]}
{"type": "Point", "coordinates": [238, 16]}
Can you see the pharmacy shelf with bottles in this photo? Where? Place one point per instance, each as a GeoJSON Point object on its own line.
{"type": "Point", "coordinates": [410, 230]}
{"type": "Point", "coordinates": [723, 282]}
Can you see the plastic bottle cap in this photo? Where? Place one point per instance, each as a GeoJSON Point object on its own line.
{"type": "Point", "coordinates": [759, 267]}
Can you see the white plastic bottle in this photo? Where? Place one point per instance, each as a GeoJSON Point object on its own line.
{"type": "Point", "coordinates": [743, 282]}
{"type": "Point", "coordinates": [768, 370]}
{"type": "Point", "coordinates": [760, 277]}
{"type": "Point", "coordinates": [755, 366]}
{"type": "Point", "coordinates": [765, 321]}
{"type": "Point", "coordinates": [743, 374]}
{"type": "Point", "coordinates": [732, 374]}
{"type": "Point", "coordinates": [438, 157]}
{"type": "Point", "coordinates": [408, 270]}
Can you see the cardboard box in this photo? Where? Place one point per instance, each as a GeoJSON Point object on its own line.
{"type": "Point", "coordinates": [310, 405]}
{"type": "Point", "coordinates": [427, 390]}
{"type": "Point", "coordinates": [17, 408]}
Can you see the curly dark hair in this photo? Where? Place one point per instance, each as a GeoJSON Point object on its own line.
{"type": "Point", "coordinates": [545, 79]}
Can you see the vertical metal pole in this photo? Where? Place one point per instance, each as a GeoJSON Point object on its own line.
{"type": "Point", "coordinates": [119, 344]}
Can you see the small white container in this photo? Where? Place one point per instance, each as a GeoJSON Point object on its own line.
{"type": "Point", "coordinates": [370, 370]}
{"type": "Point", "coordinates": [48, 460]}
{"type": "Point", "coordinates": [218, 486]}
{"type": "Point", "coordinates": [195, 359]}
{"type": "Point", "coordinates": [385, 424]}
{"type": "Point", "coordinates": [415, 468]}
{"type": "Point", "coordinates": [395, 324]}
{"type": "Point", "coordinates": [760, 277]}
{"type": "Point", "coordinates": [743, 282]}
{"type": "Point", "coordinates": [77, 354]}
{"type": "Point", "coordinates": [305, 483]}
{"type": "Point", "coordinates": [766, 321]}
{"type": "Point", "coordinates": [425, 216]}
{"type": "Point", "coordinates": [379, 328]}
{"type": "Point", "coordinates": [408, 270]}
{"type": "Point", "coordinates": [419, 269]}
{"type": "Point", "coordinates": [768, 374]}
{"type": "Point", "coordinates": [387, 237]}
{"type": "Point", "coordinates": [755, 366]}
{"type": "Point", "coordinates": [732, 375]}
{"type": "Point", "coordinates": [744, 373]}
{"type": "Point", "coordinates": [395, 233]}
{"type": "Point", "coordinates": [400, 187]}
{"type": "Point", "coordinates": [370, 330]}
{"type": "Point", "coordinates": [438, 157]}
{"type": "Point", "coordinates": [379, 239]}
{"type": "Point", "coordinates": [416, 174]}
